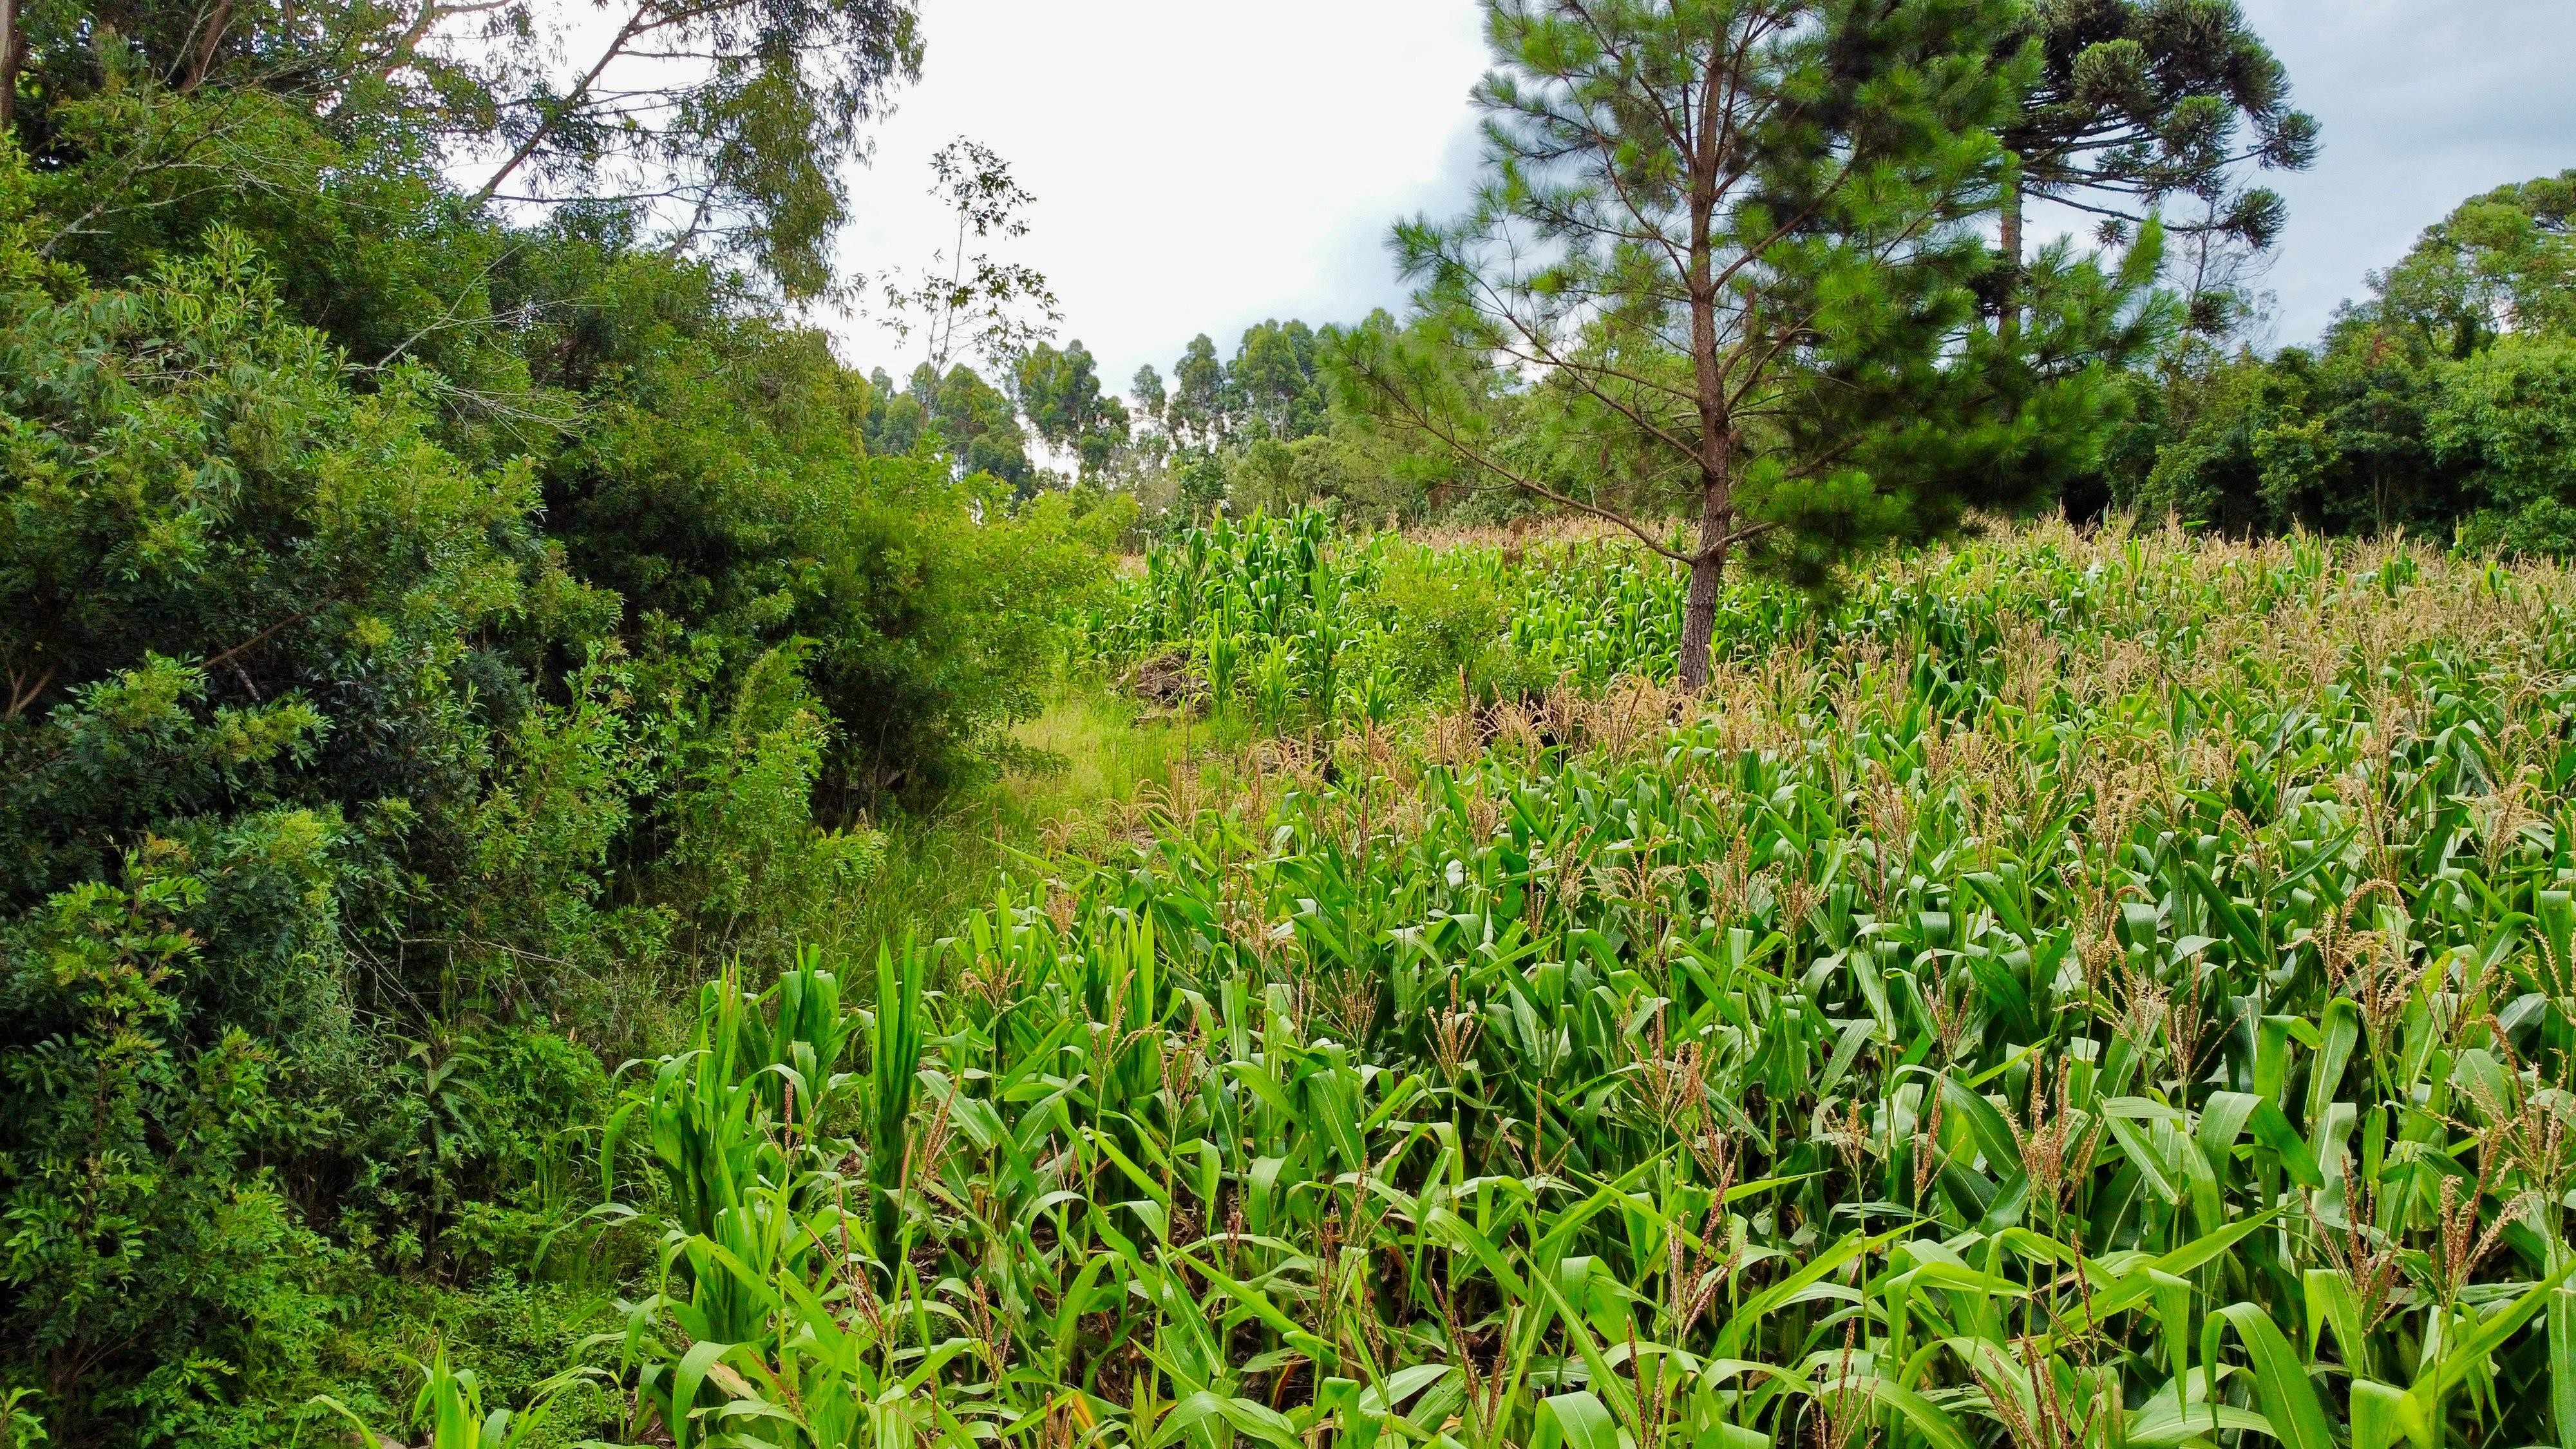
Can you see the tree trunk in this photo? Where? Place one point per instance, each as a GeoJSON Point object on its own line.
{"type": "Point", "coordinates": [207, 45]}
{"type": "Point", "coordinates": [2010, 318]}
{"type": "Point", "coordinates": [1717, 440]}
{"type": "Point", "coordinates": [8, 64]}
{"type": "Point", "coordinates": [209, 41]}
{"type": "Point", "coordinates": [1708, 570]}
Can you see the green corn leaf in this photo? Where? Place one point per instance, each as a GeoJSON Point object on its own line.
{"type": "Point", "coordinates": [2165, 1426]}
{"type": "Point", "coordinates": [1576, 1420]}
{"type": "Point", "coordinates": [686, 1380]}
{"type": "Point", "coordinates": [2331, 1305]}
{"type": "Point", "coordinates": [2382, 1415]}
{"type": "Point", "coordinates": [2472, 1351]}
{"type": "Point", "coordinates": [2562, 1363]}
{"type": "Point", "coordinates": [2298, 1415]}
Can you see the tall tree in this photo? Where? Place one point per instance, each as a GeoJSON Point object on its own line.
{"type": "Point", "coordinates": [1199, 411]}
{"type": "Point", "coordinates": [1007, 306]}
{"type": "Point", "coordinates": [977, 422]}
{"type": "Point", "coordinates": [730, 118]}
{"type": "Point", "coordinates": [717, 128]}
{"type": "Point", "coordinates": [1146, 387]}
{"type": "Point", "coordinates": [1061, 394]}
{"type": "Point", "coordinates": [1740, 238]}
{"type": "Point", "coordinates": [1273, 381]}
{"type": "Point", "coordinates": [2138, 102]}
{"type": "Point", "coordinates": [1150, 433]}
{"type": "Point", "coordinates": [2500, 264]}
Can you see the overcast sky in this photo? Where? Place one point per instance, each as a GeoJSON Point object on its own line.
{"type": "Point", "coordinates": [1203, 164]}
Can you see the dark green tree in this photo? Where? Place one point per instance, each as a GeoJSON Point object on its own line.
{"type": "Point", "coordinates": [2438, 403]}
{"type": "Point", "coordinates": [1198, 415]}
{"type": "Point", "coordinates": [1738, 240]}
{"type": "Point", "coordinates": [978, 423]}
{"type": "Point", "coordinates": [267, 648]}
{"type": "Point", "coordinates": [1146, 387]}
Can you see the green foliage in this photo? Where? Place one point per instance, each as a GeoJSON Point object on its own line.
{"type": "Point", "coordinates": [1061, 393]}
{"type": "Point", "coordinates": [1197, 413]}
{"type": "Point", "coordinates": [1258, 433]}
{"type": "Point", "coordinates": [149, 1247]}
{"type": "Point", "coordinates": [979, 425]}
{"type": "Point", "coordinates": [24, 1430]}
{"type": "Point", "coordinates": [1274, 381]}
{"type": "Point", "coordinates": [2504, 262]}
{"type": "Point", "coordinates": [744, 844]}
{"type": "Point", "coordinates": [423, 640]}
{"type": "Point", "coordinates": [331, 127]}
{"type": "Point", "coordinates": [2505, 420]}
{"type": "Point", "coordinates": [450, 1407]}
{"type": "Point", "coordinates": [1735, 246]}
{"type": "Point", "coordinates": [2440, 404]}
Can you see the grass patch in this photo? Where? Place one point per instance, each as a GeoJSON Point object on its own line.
{"type": "Point", "coordinates": [1108, 751]}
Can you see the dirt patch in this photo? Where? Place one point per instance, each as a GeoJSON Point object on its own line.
{"type": "Point", "coordinates": [1167, 681]}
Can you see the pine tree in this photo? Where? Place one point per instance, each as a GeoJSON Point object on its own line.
{"type": "Point", "coordinates": [1738, 241]}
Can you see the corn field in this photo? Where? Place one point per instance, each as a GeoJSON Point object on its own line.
{"type": "Point", "coordinates": [2071, 992]}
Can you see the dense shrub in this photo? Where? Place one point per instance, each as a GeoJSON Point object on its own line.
{"type": "Point", "coordinates": [381, 744]}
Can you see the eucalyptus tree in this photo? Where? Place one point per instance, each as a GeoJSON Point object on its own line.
{"type": "Point", "coordinates": [1006, 306]}
{"type": "Point", "coordinates": [1200, 410]}
{"type": "Point", "coordinates": [730, 118]}
{"type": "Point", "coordinates": [715, 129]}
{"type": "Point", "coordinates": [1739, 243]}
{"type": "Point", "coordinates": [1273, 379]}
{"type": "Point", "coordinates": [1061, 394]}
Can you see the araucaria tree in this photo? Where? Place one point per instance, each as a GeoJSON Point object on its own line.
{"type": "Point", "coordinates": [2140, 103]}
{"type": "Point", "coordinates": [1739, 242]}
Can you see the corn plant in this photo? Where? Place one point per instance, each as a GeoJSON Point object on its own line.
{"type": "Point", "coordinates": [450, 1407]}
{"type": "Point", "coordinates": [2071, 992]}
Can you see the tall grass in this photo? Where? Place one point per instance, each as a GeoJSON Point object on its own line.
{"type": "Point", "coordinates": [1088, 752]}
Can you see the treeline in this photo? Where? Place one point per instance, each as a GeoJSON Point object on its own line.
{"type": "Point", "coordinates": [2443, 403]}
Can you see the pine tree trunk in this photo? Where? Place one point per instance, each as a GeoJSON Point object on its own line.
{"type": "Point", "coordinates": [2010, 241]}
{"type": "Point", "coordinates": [1708, 570]}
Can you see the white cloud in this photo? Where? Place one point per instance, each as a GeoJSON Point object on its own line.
{"type": "Point", "coordinates": [1199, 164]}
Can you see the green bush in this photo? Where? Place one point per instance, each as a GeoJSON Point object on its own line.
{"type": "Point", "coordinates": [381, 744]}
{"type": "Point", "coordinates": [2506, 421]}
